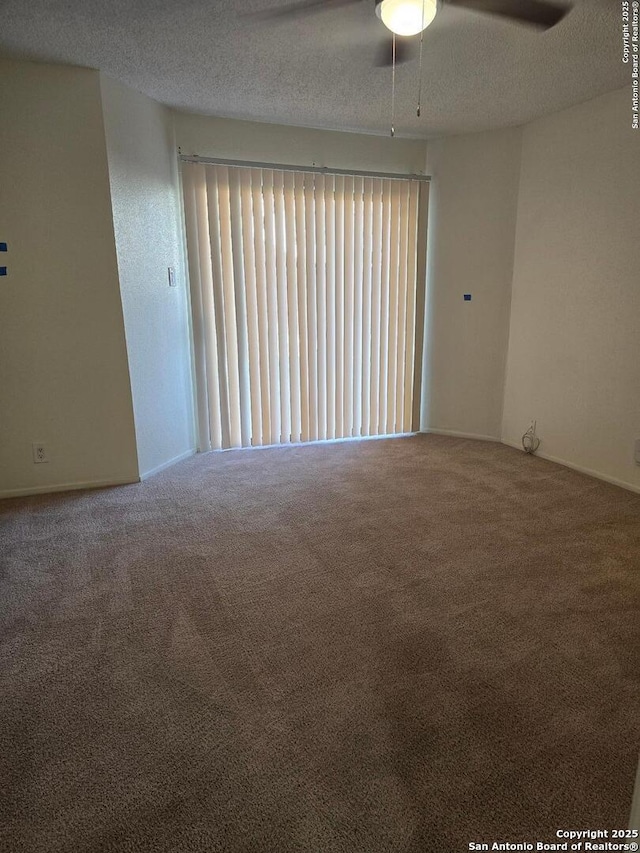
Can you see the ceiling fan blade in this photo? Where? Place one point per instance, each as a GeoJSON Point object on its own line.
{"type": "Point", "coordinates": [535, 12]}
{"type": "Point", "coordinates": [384, 53]}
{"type": "Point", "coordinates": [299, 7]}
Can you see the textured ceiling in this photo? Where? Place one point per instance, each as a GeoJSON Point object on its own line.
{"type": "Point", "coordinates": [479, 72]}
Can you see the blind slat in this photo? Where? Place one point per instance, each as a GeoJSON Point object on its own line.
{"type": "Point", "coordinates": [283, 311]}
{"type": "Point", "coordinates": [384, 307]}
{"type": "Point", "coordinates": [410, 324]}
{"type": "Point", "coordinates": [199, 260]}
{"type": "Point", "coordinates": [358, 249]}
{"type": "Point", "coordinates": [349, 271]}
{"type": "Point", "coordinates": [376, 272]}
{"type": "Point", "coordinates": [312, 326]}
{"type": "Point", "coordinates": [253, 332]}
{"type": "Point", "coordinates": [392, 378]}
{"type": "Point", "coordinates": [292, 305]}
{"type": "Point", "coordinates": [330, 305]}
{"type": "Point", "coordinates": [227, 295]}
{"type": "Point", "coordinates": [303, 335]}
{"type": "Point", "coordinates": [272, 306]}
{"type": "Point", "coordinates": [215, 309]}
{"type": "Point", "coordinates": [367, 265]}
{"type": "Point", "coordinates": [321, 303]}
{"type": "Point", "coordinates": [237, 234]}
{"type": "Point", "coordinates": [261, 302]}
{"type": "Point", "coordinates": [402, 305]}
{"type": "Point", "coordinates": [339, 304]}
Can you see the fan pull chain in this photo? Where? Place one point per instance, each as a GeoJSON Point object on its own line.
{"type": "Point", "coordinates": [393, 86]}
{"type": "Point", "coordinates": [420, 71]}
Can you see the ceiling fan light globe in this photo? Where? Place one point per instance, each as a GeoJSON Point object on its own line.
{"type": "Point", "coordinates": [407, 17]}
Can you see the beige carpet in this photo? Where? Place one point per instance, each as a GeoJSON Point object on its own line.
{"type": "Point", "coordinates": [394, 645]}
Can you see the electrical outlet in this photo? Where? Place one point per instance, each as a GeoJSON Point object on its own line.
{"type": "Point", "coordinates": [172, 276]}
{"type": "Point", "coordinates": [39, 453]}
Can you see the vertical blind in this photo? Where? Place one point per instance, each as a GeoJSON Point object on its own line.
{"type": "Point", "coordinates": [304, 303]}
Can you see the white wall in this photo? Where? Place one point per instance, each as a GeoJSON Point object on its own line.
{"type": "Point", "coordinates": [296, 146]}
{"type": "Point", "coordinates": [571, 180]}
{"type": "Point", "coordinates": [146, 215]}
{"type": "Point", "coordinates": [574, 349]}
{"type": "Point", "coordinates": [472, 209]}
{"type": "Point", "coordinates": [63, 363]}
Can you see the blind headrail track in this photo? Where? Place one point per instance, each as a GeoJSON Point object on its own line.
{"type": "Point", "coordinates": [286, 167]}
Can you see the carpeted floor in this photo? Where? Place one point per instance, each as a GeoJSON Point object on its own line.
{"type": "Point", "coordinates": [369, 647]}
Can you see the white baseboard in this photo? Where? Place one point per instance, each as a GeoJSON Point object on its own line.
{"type": "Point", "coordinates": [455, 434]}
{"type": "Point", "coordinates": [580, 468]}
{"type": "Point", "coordinates": [63, 487]}
{"type": "Point", "coordinates": [167, 464]}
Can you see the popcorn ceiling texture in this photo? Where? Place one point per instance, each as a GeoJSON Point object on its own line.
{"type": "Point", "coordinates": [392, 646]}
{"type": "Point", "coordinates": [479, 72]}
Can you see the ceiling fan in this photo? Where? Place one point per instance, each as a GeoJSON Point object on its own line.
{"type": "Point", "coordinates": [411, 17]}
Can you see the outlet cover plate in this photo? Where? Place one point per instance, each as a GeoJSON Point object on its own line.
{"type": "Point", "coordinates": [40, 453]}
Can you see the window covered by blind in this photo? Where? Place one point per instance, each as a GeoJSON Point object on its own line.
{"type": "Point", "coordinates": [304, 303]}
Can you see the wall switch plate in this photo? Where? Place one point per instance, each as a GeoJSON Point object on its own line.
{"type": "Point", "coordinates": [467, 297]}
{"type": "Point", "coordinates": [3, 247]}
{"type": "Point", "coordinates": [3, 270]}
{"type": "Point", "coordinates": [637, 452]}
{"type": "Point", "coordinates": [39, 452]}
{"type": "Point", "coordinates": [172, 276]}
